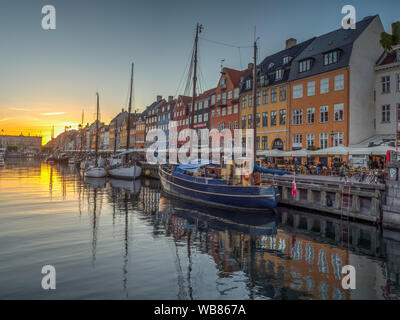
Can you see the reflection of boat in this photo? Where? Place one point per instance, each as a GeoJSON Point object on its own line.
{"type": "Point", "coordinates": [96, 182]}
{"type": "Point", "coordinates": [220, 220]}
{"type": "Point", "coordinates": [133, 187]}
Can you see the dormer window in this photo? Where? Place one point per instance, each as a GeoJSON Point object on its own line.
{"type": "Point", "coordinates": [286, 60]}
{"type": "Point", "coordinates": [279, 74]}
{"type": "Point", "coordinates": [270, 65]}
{"type": "Point", "coordinates": [248, 84]}
{"type": "Point", "coordinates": [305, 65]}
{"type": "Point", "coordinates": [331, 57]}
{"type": "Point", "coordinates": [223, 83]}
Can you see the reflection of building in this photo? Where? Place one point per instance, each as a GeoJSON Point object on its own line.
{"type": "Point", "coordinates": [21, 143]}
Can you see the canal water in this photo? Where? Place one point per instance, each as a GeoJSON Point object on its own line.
{"type": "Point", "coordinates": [113, 239]}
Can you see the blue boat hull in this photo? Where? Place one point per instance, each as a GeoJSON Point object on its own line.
{"type": "Point", "coordinates": [206, 191]}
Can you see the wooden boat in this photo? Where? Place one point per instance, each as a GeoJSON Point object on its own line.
{"type": "Point", "coordinates": [177, 181]}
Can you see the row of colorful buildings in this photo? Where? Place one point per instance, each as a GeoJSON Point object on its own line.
{"type": "Point", "coordinates": [339, 88]}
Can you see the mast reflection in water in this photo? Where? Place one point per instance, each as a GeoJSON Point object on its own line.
{"type": "Point", "coordinates": [115, 239]}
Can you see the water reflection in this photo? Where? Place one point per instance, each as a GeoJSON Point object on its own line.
{"type": "Point", "coordinates": [155, 246]}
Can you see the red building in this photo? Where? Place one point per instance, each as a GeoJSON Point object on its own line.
{"type": "Point", "coordinates": [181, 113]}
{"type": "Point", "coordinates": [224, 108]}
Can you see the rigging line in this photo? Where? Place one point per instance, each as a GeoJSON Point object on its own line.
{"type": "Point", "coordinates": [224, 44]}
{"type": "Point", "coordinates": [183, 75]}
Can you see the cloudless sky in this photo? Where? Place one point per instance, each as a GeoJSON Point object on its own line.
{"type": "Point", "coordinates": [48, 76]}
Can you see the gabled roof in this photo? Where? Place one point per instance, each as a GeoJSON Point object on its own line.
{"type": "Point", "coordinates": [340, 39]}
{"type": "Point", "coordinates": [236, 75]}
{"type": "Point", "coordinates": [206, 94]}
{"type": "Point", "coordinates": [388, 58]}
{"type": "Point", "coordinates": [274, 62]}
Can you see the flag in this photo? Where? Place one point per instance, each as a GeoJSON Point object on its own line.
{"type": "Point", "coordinates": [294, 188]}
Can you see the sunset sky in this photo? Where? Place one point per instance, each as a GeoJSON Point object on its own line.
{"type": "Point", "coordinates": [47, 77]}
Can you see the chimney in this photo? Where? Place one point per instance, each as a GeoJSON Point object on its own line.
{"type": "Point", "coordinates": [159, 98]}
{"type": "Point", "coordinates": [170, 98]}
{"type": "Point", "coordinates": [250, 66]}
{"type": "Point", "coordinates": [290, 43]}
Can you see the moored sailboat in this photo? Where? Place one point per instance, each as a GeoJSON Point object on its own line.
{"type": "Point", "coordinates": [96, 171]}
{"type": "Point", "coordinates": [129, 171]}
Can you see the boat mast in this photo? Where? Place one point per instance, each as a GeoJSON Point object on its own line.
{"type": "Point", "coordinates": [97, 128]}
{"type": "Point", "coordinates": [199, 27]}
{"type": "Point", "coordinates": [82, 132]}
{"type": "Point", "coordinates": [128, 127]}
{"type": "Point", "coordinates": [255, 100]}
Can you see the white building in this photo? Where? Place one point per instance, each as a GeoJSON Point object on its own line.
{"type": "Point", "coordinates": [387, 93]}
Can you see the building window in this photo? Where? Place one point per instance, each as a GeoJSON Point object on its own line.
{"type": "Point", "coordinates": [244, 143]}
{"type": "Point", "coordinates": [298, 91]}
{"type": "Point", "coordinates": [386, 113]}
{"type": "Point", "coordinates": [213, 114]}
{"type": "Point", "coordinates": [282, 93]}
{"type": "Point", "coordinates": [258, 98]}
{"type": "Point", "coordinates": [250, 121]}
{"type": "Point", "coordinates": [235, 108]}
{"type": "Point", "coordinates": [224, 98]}
{"type": "Point", "coordinates": [273, 118]}
{"type": "Point", "coordinates": [213, 99]}
{"type": "Point", "coordinates": [298, 116]}
{"type": "Point", "coordinates": [244, 101]}
{"type": "Point", "coordinates": [218, 112]}
{"type": "Point", "coordinates": [229, 109]}
{"type": "Point", "coordinates": [310, 139]}
{"type": "Point", "coordinates": [323, 140]}
{"type": "Point", "coordinates": [258, 143]}
{"type": "Point", "coordinates": [264, 143]}
{"type": "Point", "coordinates": [200, 118]}
{"type": "Point", "coordinates": [243, 122]}
{"type": "Point", "coordinates": [230, 94]}
{"type": "Point", "coordinates": [265, 96]}
{"type": "Point", "coordinates": [305, 65]}
{"type": "Point", "coordinates": [273, 95]}
{"type": "Point", "coordinates": [338, 139]}
{"type": "Point", "coordinates": [385, 84]}
{"type": "Point", "coordinates": [248, 84]}
{"type": "Point", "coordinates": [236, 93]}
{"type": "Point", "coordinates": [218, 97]}
{"type": "Point", "coordinates": [324, 85]}
{"type": "Point", "coordinates": [206, 117]}
{"type": "Point", "coordinates": [265, 119]}
{"type": "Point", "coordinates": [330, 57]}
{"type": "Point", "coordinates": [338, 112]}
{"type": "Point", "coordinates": [323, 114]}
{"type": "Point", "coordinates": [195, 118]}
{"type": "Point", "coordinates": [279, 74]}
{"type": "Point", "coordinates": [310, 115]}
{"type": "Point", "coordinates": [282, 117]}
{"type": "Point", "coordinates": [223, 111]}
{"type": "Point", "coordinates": [311, 88]}
{"type": "Point", "coordinates": [339, 82]}
{"type": "Point", "coordinates": [286, 60]}
{"type": "Point", "coordinates": [398, 81]}
{"type": "Point", "coordinates": [236, 125]}
{"type": "Point", "coordinates": [297, 140]}
{"type": "Point", "coordinates": [250, 101]}
{"type": "Point", "coordinates": [257, 120]}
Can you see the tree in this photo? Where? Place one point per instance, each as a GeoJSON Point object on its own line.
{"type": "Point", "coordinates": [389, 40]}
